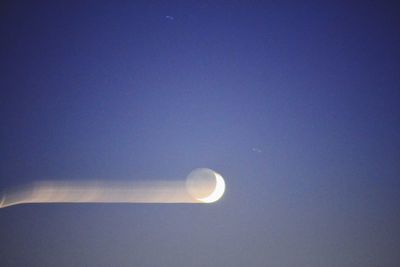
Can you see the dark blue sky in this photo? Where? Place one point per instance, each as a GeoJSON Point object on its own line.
{"type": "Point", "coordinates": [296, 104]}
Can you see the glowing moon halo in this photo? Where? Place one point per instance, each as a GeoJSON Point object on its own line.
{"type": "Point", "coordinates": [205, 185]}
{"type": "Point", "coordinates": [218, 191]}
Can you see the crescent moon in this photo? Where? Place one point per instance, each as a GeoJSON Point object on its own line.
{"type": "Point", "coordinates": [218, 190]}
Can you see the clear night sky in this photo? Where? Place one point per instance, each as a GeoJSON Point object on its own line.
{"type": "Point", "coordinates": [295, 104]}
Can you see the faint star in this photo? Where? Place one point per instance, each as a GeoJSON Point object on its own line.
{"type": "Point", "coordinates": [257, 150]}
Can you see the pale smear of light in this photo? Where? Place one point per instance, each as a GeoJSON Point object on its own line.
{"type": "Point", "coordinates": [122, 192]}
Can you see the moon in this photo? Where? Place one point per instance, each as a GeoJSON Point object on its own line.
{"type": "Point", "coordinates": [205, 185]}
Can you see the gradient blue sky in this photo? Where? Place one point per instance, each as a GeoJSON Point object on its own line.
{"type": "Point", "coordinates": [296, 104]}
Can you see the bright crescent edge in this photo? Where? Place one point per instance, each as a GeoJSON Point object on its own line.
{"type": "Point", "coordinates": [218, 191]}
